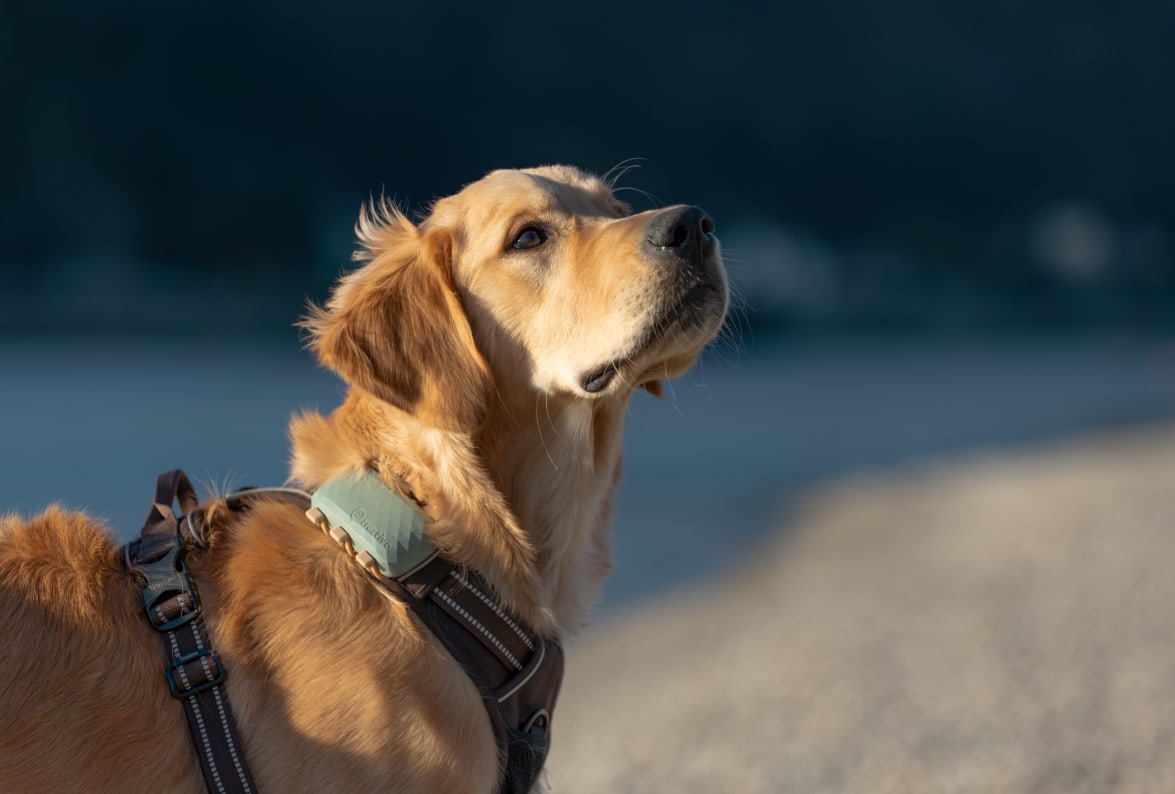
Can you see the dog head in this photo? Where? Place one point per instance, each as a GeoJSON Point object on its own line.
{"type": "Point", "coordinates": [536, 282]}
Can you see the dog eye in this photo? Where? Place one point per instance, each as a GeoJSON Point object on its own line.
{"type": "Point", "coordinates": [530, 237]}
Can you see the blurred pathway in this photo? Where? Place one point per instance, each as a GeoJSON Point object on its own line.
{"type": "Point", "coordinates": [999, 622]}
{"type": "Point", "coordinates": [737, 439]}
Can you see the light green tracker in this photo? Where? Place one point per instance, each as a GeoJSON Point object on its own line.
{"type": "Point", "coordinates": [377, 520]}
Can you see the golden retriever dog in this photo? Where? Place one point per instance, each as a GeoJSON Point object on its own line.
{"type": "Point", "coordinates": [490, 353]}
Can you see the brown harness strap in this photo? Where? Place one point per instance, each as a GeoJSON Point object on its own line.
{"type": "Point", "coordinates": [517, 672]}
{"type": "Point", "coordinates": [194, 673]}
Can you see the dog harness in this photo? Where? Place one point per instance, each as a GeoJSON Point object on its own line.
{"type": "Point", "coordinates": [517, 672]}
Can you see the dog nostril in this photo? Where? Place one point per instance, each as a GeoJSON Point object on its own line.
{"type": "Point", "coordinates": [678, 236]}
{"type": "Point", "coordinates": [680, 230]}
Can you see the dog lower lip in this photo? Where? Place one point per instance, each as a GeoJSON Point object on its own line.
{"type": "Point", "coordinates": [598, 380]}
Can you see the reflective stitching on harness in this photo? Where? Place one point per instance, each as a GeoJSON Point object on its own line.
{"type": "Point", "coordinates": [477, 624]}
{"type": "Point", "coordinates": [535, 669]}
{"type": "Point", "coordinates": [224, 719]}
{"type": "Point", "coordinates": [486, 600]}
{"type": "Point", "coordinates": [204, 740]}
{"type": "Point", "coordinates": [232, 748]}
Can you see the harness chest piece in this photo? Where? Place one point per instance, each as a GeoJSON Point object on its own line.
{"type": "Point", "coordinates": [377, 521]}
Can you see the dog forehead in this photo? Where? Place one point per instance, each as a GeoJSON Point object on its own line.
{"type": "Point", "coordinates": [539, 191]}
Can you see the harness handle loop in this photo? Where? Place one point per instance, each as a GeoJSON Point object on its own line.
{"type": "Point", "coordinates": [159, 528]}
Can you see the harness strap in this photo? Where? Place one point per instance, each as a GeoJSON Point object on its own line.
{"type": "Point", "coordinates": [518, 674]}
{"type": "Point", "coordinates": [194, 673]}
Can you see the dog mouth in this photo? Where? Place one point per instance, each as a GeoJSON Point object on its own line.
{"type": "Point", "coordinates": [599, 379]}
{"type": "Point", "coordinates": [694, 306]}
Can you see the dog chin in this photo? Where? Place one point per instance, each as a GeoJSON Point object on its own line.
{"type": "Point", "coordinates": [666, 349]}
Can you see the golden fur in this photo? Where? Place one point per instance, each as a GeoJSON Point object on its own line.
{"type": "Point", "coordinates": [466, 358]}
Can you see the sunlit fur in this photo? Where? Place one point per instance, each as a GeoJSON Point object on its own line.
{"type": "Point", "coordinates": [465, 359]}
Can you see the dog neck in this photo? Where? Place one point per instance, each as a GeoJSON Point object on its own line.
{"type": "Point", "coordinates": [557, 462]}
{"type": "Point", "coordinates": [525, 501]}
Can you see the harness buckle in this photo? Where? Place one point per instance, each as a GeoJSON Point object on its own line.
{"type": "Point", "coordinates": [168, 597]}
{"type": "Point", "coordinates": [194, 678]}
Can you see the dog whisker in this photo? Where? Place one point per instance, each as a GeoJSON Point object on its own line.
{"type": "Point", "coordinates": [550, 421]}
{"type": "Point", "coordinates": [652, 198]}
{"type": "Point", "coordinates": [538, 426]}
{"type": "Point", "coordinates": [617, 172]}
{"type": "Point", "coordinates": [673, 397]}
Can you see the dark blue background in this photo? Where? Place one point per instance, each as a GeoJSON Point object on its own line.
{"type": "Point", "coordinates": [946, 162]}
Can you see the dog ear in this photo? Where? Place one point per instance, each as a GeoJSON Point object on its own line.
{"type": "Point", "coordinates": [396, 328]}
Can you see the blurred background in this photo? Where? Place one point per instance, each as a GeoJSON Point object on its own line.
{"type": "Point", "coordinates": [950, 228]}
{"type": "Point", "coordinates": [957, 165]}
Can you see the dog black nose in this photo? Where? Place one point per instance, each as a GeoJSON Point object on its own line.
{"type": "Point", "coordinates": [687, 232]}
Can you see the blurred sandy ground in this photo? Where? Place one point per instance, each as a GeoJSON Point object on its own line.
{"type": "Point", "coordinates": [991, 622]}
